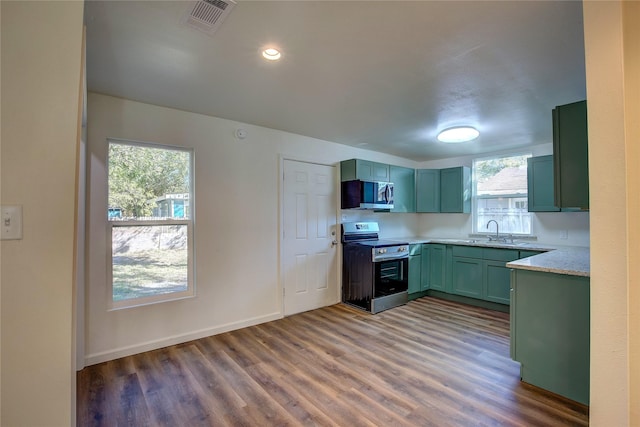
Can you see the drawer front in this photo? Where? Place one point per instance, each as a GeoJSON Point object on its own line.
{"type": "Point", "coordinates": [467, 251]}
{"type": "Point", "coordinates": [415, 249]}
{"type": "Point", "coordinates": [500, 254]}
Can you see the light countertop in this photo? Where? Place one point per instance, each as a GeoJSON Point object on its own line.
{"type": "Point", "coordinates": [573, 261]}
{"type": "Point", "coordinates": [569, 260]}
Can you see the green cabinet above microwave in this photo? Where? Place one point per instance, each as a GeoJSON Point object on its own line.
{"type": "Point", "coordinates": [364, 170]}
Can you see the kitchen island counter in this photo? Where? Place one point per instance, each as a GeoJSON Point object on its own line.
{"type": "Point", "coordinates": [572, 261]}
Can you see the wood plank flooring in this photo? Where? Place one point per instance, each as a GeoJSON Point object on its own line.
{"type": "Point", "coordinates": [428, 363]}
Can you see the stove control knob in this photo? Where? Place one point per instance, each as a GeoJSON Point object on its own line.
{"type": "Point", "coordinates": [382, 251]}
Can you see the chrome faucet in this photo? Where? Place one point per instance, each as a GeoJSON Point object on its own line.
{"type": "Point", "coordinates": [497, 229]}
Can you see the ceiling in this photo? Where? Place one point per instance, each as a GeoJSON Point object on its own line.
{"type": "Point", "coordinates": [380, 75]}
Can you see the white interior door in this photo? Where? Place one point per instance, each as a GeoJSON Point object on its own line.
{"type": "Point", "coordinates": [309, 255]}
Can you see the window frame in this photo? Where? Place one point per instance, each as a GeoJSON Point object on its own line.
{"type": "Point", "coordinates": [115, 223]}
{"type": "Point", "coordinates": [475, 197]}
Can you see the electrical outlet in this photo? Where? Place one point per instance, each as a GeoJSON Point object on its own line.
{"type": "Point", "coordinates": [11, 222]}
{"type": "Point", "coordinates": [564, 234]}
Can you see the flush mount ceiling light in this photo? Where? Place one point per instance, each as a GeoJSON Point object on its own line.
{"type": "Point", "coordinates": [271, 54]}
{"type": "Point", "coordinates": [458, 134]}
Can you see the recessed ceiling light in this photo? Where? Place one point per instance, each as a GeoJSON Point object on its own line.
{"type": "Point", "coordinates": [458, 134]}
{"type": "Point", "coordinates": [271, 54]}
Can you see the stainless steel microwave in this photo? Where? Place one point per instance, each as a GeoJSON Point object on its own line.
{"type": "Point", "coordinates": [359, 194]}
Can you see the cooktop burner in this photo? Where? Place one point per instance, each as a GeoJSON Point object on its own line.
{"type": "Point", "coordinates": [366, 233]}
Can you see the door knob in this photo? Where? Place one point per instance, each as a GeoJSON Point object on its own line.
{"type": "Point", "coordinates": [334, 243]}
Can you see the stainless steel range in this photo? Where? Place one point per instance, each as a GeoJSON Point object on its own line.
{"type": "Point", "coordinates": [374, 271]}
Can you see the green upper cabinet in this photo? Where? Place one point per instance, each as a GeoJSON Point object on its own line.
{"type": "Point", "coordinates": [540, 184]}
{"type": "Point", "coordinates": [364, 170]}
{"type": "Point", "coordinates": [424, 190]}
{"type": "Point", "coordinates": [455, 190]}
{"type": "Point", "coordinates": [404, 188]}
{"type": "Point", "coordinates": [571, 157]}
{"type": "Point", "coordinates": [428, 190]}
{"type": "Point", "coordinates": [443, 190]}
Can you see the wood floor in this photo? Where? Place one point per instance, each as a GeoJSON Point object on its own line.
{"type": "Point", "coordinates": [429, 363]}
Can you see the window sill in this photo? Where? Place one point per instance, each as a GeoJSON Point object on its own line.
{"type": "Point", "coordinates": [159, 299]}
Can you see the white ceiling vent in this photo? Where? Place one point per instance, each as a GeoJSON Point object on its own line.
{"type": "Point", "coordinates": [208, 15]}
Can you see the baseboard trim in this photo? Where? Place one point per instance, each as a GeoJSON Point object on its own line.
{"type": "Point", "coordinates": [105, 356]}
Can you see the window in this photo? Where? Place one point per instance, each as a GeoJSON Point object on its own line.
{"type": "Point", "coordinates": [150, 217]}
{"type": "Point", "coordinates": [500, 189]}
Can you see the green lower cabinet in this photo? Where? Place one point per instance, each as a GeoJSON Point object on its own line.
{"type": "Point", "coordinates": [467, 271]}
{"type": "Point", "coordinates": [466, 277]}
{"type": "Point", "coordinates": [426, 267]}
{"type": "Point", "coordinates": [415, 268]}
{"type": "Point", "coordinates": [497, 282]}
{"type": "Point", "coordinates": [550, 331]}
{"type": "Point", "coordinates": [434, 267]}
{"type": "Point", "coordinates": [437, 272]}
{"type": "Point", "coordinates": [495, 274]}
{"type": "Point", "coordinates": [481, 273]}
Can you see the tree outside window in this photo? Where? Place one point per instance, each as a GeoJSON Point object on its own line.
{"type": "Point", "coordinates": [151, 220]}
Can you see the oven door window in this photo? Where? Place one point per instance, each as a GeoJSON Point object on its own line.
{"type": "Point", "coordinates": [391, 277]}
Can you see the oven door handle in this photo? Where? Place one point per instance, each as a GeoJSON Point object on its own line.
{"type": "Point", "coordinates": [391, 257]}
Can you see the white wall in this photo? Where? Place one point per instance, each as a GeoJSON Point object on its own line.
{"type": "Point", "coordinates": [546, 227]}
{"type": "Point", "coordinates": [613, 96]}
{"type": "Point", "coordinates": [392, 225]}
{"type": "Point", "coordinates": [631, 23]}
{"type": "Point", "coordinates": [0, 244]}
{"type": "Point", "coordinates": [41, 50]}
{"type": "Point", "coordinates": [236, 239]}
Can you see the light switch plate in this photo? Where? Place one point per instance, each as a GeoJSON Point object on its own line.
{"type": "Point", "coordinates": [11, 222]}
